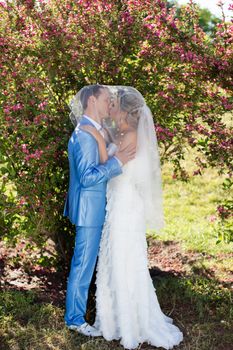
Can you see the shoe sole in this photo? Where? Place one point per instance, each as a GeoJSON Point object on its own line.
{"type": "Point", "coordinates": [73, 328]}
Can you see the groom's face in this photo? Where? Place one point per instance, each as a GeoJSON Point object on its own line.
{"type": "Point", "coordinates": [103, 103]}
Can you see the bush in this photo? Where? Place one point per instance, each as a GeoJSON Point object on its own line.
{"type": "Point", "coordinates": [51, 49]}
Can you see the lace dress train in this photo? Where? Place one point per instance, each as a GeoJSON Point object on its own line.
{"type": "Point", "coordinates": [127, 307]}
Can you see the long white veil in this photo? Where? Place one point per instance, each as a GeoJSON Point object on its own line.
{"type": "Point", "coordinates": [148, 179]}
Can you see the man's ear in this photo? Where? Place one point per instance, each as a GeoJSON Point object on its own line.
{"type": "Point", "coordinates": [91, 100]}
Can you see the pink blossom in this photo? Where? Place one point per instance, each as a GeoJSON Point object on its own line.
{"type": "Point", "coordinates": [24, 148]}
{"type": "Point", "coordinates": [6, 110]}
{"type": "Point", "coordinates": [36, 155]}
{"type": "Point", "coordinates": [149, 26]}
{"type": "Point", "coordinates": [42, 105]}
{"type": "Point", "coordinates": [22, 201]}
{"type": "Point", "coordinates": [17, 107]}
{"type": "Point", "coordinates": [197, 172]}
{"type": "Point", "coordinates": [171, 86]}
{"type": "Point", "coordinates": [3, 4]}
{"type": "Point", "coordinates": [39, 118]}
{"type": "Point", "coordinates": [212, 218]}
{"type": "Point", "coordinates": [173, 25]}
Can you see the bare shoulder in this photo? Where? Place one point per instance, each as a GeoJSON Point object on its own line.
{"type": "Point", "coordinates": [131, 134]}
{"type": "Point", "coordinates": [130, 137]}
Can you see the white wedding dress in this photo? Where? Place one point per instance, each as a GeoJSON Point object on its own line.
{"type": "Point", "coordinates": [127, 307]}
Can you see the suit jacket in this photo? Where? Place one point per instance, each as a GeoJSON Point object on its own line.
{"type": "Point", "coordinates": [86, 198]}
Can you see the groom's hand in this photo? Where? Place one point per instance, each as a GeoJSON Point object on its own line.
{"type": "Point", "coordinates": [126, 154]}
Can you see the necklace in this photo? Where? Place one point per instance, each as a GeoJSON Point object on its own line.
{"type": "Point", "coordinates": [120, 136]}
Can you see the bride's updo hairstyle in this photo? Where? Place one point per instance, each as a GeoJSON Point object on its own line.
{"type": "Point", "coordinates": [131, 101]}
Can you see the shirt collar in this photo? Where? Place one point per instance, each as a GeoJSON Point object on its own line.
{"type": "Point", "coordinates": [96, 124]}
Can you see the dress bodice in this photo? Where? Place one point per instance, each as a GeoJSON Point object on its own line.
{"type": "Point", "coordinates": [126, 178]}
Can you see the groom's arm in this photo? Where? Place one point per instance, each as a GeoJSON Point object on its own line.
{"type": "Point", "coordinates": [89, 172]}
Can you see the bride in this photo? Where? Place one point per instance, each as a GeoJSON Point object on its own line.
{"type": "Point", "coordinates": [127, 307]}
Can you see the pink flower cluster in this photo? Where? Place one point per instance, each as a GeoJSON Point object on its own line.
{"type": "Point", "coordinates": [36, 155]}
{"type": "Point", "coordinates": [223, 211]}
{"type": "Point", "coordinates": [39, 118]}
{"type": "Point", "coordinates": [164, 133]}
{"type": "Point", "coordinates": [17, 107]}
{"type": "Point", "coordinates": [42, 105]}
{"type": "Point", "coordinates": [127, 18]}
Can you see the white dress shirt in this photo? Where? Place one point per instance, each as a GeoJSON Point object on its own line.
{"type": "Point", "coordinates": [100, 129]}
{"type": "Point", "coordinates": [96, 124]}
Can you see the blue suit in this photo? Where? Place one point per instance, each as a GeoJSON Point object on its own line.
{"type": "Point", "coordinates": [85, 207]}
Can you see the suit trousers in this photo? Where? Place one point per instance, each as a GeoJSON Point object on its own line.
{"type": "Point", "coordinates": [83, 262]}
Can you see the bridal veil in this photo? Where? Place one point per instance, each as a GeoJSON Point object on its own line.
{"type": "Point", "coordinates": [148, 178]}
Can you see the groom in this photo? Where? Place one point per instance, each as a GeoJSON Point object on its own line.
{"type": "Point", "coordinates": [85, 202]}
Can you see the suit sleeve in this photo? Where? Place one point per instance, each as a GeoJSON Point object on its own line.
{"type": "Point", "coordinates": [90, 173]}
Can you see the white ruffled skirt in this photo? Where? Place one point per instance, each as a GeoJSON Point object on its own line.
{"type": "Point", "coordinates": [127, 307]}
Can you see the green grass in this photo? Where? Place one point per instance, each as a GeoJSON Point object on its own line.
{"type": "Point", "coordinates": [198, 305]}
{"type": "Point", "coordinates": [27, 324]}
{"type": "Point", "coordinates": [189, 206]}
{"type": "Point", "coordinates": [199, 300]}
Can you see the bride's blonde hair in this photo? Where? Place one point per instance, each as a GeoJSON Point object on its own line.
{"type": "Point", "coordinates": [131, 101]}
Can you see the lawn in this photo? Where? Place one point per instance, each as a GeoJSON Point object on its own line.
{"type": "Point", "coordinates": [192, 274]}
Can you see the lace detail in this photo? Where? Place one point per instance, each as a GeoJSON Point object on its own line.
{"type": "Point", "coordinates": [126, 302]}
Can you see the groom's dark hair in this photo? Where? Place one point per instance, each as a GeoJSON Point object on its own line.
{"type": "Point", "coordinates": [90, 90]}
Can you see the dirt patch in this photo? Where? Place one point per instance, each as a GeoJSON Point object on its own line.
{"type": "Point", "coordinates": [169, 258]}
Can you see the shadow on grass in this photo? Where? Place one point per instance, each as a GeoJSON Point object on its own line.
{"type": "Point", "coordinates": [199, 304]}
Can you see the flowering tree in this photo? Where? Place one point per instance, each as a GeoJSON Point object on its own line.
{"type": "Point", "coordinates": [50, 49]}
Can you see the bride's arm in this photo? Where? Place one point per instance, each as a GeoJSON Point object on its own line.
{"type": "Point", "coordinates": [100, 140]}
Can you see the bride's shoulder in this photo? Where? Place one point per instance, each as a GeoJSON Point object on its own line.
{"type": "Point", "coordinates": [130, 137]}
{"type": "Point", "coordinates": [131, 131]}
{"type": "Point", "coordinates": [131, 134]}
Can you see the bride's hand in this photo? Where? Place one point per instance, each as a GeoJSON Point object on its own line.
{"type": "Point", "coordinates": [93, 131]}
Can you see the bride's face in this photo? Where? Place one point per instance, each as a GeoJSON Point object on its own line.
{"type": "Point", "coordinates": [115, 111]}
